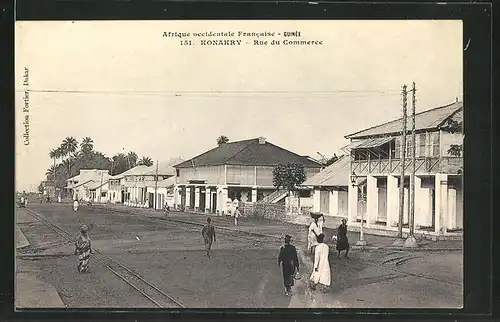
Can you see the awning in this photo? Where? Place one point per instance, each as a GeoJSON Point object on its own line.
{"type": "Point", "coordinates": [369, 143]}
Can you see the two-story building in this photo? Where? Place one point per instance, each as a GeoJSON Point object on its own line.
{"type": "Point", "coordinates": [241, 170]}
{"type": "Point", "coordinates": [375, 164]}
{"type": "Point", "coordinates": [82, 185]}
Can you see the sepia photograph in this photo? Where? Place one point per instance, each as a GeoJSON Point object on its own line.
{"type": "Point", "coordinates": [221, 164]}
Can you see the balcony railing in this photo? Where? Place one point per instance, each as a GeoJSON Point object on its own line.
{"type": "Point", "coordinates": [450, 165]}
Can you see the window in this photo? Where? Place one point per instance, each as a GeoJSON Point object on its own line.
{"type": "Point", "coordinates": [397, 147]}
{"type": "Point", "coordinates": [103, 194]}
{"type": "Point", "coordinates": [421, 144]}
{"type": "Point", "coordinates": [434, 144]}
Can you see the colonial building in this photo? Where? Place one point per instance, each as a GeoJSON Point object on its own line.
{"type": "Point", "coordinates": [241, 171]}
{"type": "Point", "coordinates": [375, 165]}
{"type": "Point", "coordinates": [329, 188]}
{"type": "Point", "coordinates": [141, 181]}
{"type": "Point", "coordinates": [80, 186]}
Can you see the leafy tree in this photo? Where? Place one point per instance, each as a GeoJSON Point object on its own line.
{"type": "Point", "coordinates": [288, 176]}
{"type": "Point", "coordinates": [40, 187]}
{"type": "Point", "coordinates": [69, 145]}
{"type": "Point", "coordinates": [147, 161]}
{"type": "Point", "coordinates": [222, 140]}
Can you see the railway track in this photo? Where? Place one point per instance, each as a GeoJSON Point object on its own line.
{"type": "Point", "coordinates": [150, 291]}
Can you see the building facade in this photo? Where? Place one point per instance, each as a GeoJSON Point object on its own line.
{"type": "Point", "coordinates": [376, 164]}
{"type": "Point", "coordinates": [232, 172]}
{"type": "Point", "coordinates": [81, 186]}
{"type": "Point", "coordinates": [329, 188]}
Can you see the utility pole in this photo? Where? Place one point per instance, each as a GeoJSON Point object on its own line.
{"type": "Point", "coordinates": [55, 188]}
{"type": "Point", "coordinates": [399, 240]}
{"type": "Point", "coordinates": [411, 241]}
{"type": "Point", "coordinates": [156, 186]}
{"type": "Point", "coordinates": [100, 189]}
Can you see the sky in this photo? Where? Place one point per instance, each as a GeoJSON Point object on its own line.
{"type": "Point", "coordinates": [130, 89]}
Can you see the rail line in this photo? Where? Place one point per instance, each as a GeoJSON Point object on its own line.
{"type": "Point", "coordinates": [141, 285]}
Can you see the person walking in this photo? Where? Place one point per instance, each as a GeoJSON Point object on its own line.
{"type": "Point", "coordinates": [237, 215]}
{"type": "Point", "coordinates": [289, 262]}
{"type": "Point", "coordinates": [342, 241]}
{"type": "Point", "coordinates": [321, 269]}
{"type": "Point", "coordinates": [208, 233]}
{"type": "Point", "coordinates": [83, 249]}
{"type": "Point", "coordinates": [75, 205]}
{"type": "Point", "coordinates": [315, 229]}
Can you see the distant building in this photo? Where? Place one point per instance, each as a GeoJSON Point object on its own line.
{"type": "Point", "coordinates": [84, 185]}
{"type": "Point", "coordinates": [241, 170]}
{"type": "Point", "coordinates": [375, 161]}
{"type": "Point", "coordinates": [330, 187]}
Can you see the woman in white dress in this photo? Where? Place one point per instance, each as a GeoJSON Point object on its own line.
{"type": "Point", "coordinates": [315, 229]}
{"type": "Point", "coordinates": [75, 205]}
{"type": "Point", "coordinates": [321, 270]}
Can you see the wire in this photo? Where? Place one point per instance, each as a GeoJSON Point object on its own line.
{"type": "Point", "coordinates": [234, 94]}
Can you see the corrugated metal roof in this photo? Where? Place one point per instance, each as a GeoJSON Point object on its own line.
{"type": "Point", "coordinates": [373, 143]}
{"type": "Point", "coordinates": [335, 175]}
{"type": "Point", "coordinates": [430, 119]}
{"type": "Point", "coordinates": [247, 152]}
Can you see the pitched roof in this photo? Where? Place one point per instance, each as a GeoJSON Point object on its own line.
{"type": "Point", "coordinates": [247, 152]}
{"type": "Point", "coordinates": [135, 171]}
{"type": "Point", "coordinates": [166, 168]}
{"type": "Point", "coordinates": [95, 185]}
{"type": "Point", "coordinates": [336, 174]}
{"type": "Point", "coordinates": [82, 183]}
{"type": "Point", "coordinates": [77, 177]}
{"type": "Point", "coordinates": [167, 183]}
{"type": "Point", "coordinates": [430, 119]}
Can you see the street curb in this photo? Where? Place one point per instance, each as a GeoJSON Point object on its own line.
{"type": "Point", "coordinates": [364, 248]}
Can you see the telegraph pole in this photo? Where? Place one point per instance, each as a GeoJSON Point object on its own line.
{"type": "Point", "coordinates": [156, 187]}
{"type": "Point", "coordinates": [399, 240]}
{"type": "Point", "coordinates": [411, 241]}
{"type": "Point", "coordinates": [100, 190]}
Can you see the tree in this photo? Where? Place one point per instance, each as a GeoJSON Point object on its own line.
{"type": "Point", "coordinates": [69, 145]}
{"type": "Point", "coordinates": [222, 140]}
{"type": "Point", "coordinates": [132, 159]}
{"type": "Point", "coordinates": [41, 187]}
{"type": "Point", "coordinates": [145, 161]}
{"type": "Point", "coordinates": [288, 176]}
{"type": "Point", "coordinates": [87, 145]}
{"type": "Point", "coordinates": [119, 164]}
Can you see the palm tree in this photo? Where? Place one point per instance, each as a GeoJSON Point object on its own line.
{"type": "Point", "coordinates": [69, 145]}
{"type": "Point", "coordinates": [145, 161]}
{"type": "Point", "coordinates": [51, 172]}
{"type": "Point", "coordinates": [132, 159]}
{"type": "Point", "coordinates": [87, 145]}
{"type": "Point", "coordinates": [222, 140]}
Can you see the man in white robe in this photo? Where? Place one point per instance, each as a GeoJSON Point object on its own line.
{"type": "Point", "coordinates": [321, 269]}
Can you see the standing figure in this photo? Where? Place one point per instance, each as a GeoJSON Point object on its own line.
{"type": "Point", "coordinates": [289, 263]}
{"type": "Point", "coordinates": [59, 199]}
{"type": "Point", "coordinates": [315, 229]}
{"type": "Point", "coordinates": [83, 249]}
{"type": "Point", "coordinates": [75, 205]}
{"type": "Point", "coordinates": [342, 241]}
{"type": "Point", "coordinates": [208, 233]}
{"type": "Point", "coordinates": [321, 269]}
{"type": "Point", "coordinates": [237, 215]}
